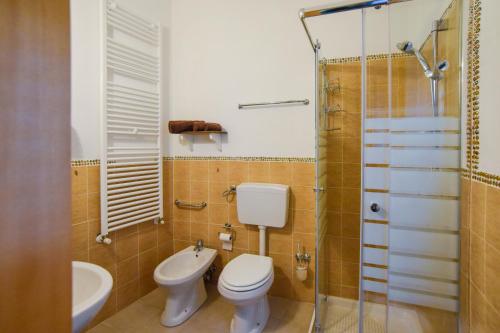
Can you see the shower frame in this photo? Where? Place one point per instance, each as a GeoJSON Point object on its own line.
{"type": "Point", "coordinates": [311, 12]}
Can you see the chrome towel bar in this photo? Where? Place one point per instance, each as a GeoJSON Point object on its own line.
{"type": "Point", "coordinates": [250, 105]}
{"type": "Point", "coordinates": [183, 204]}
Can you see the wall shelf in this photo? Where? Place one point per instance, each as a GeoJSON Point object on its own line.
{"type": "Point", "coordinates": [189, 138]}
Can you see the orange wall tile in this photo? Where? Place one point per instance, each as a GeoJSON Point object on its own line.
{"type": "Point", "coordinates": [135, 251]}
{"type": "Point", "coordinates": [480, 254]}
{"type": "Point", "coordinates": [205, 180]}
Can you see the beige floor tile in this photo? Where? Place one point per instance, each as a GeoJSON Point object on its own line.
{"type": "Point", "coordinates": [133, 317]}
{"type": "Point", "coordinates": [102, 328]}
{"type": "Point", "coordinates": [156, 298]}
{"type": "Point", "coordinates": [214, 316]}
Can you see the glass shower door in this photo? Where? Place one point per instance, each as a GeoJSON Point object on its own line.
{"type": "Point", "coordinates": [411, 167]}
{"type": "Point", "coordinates": [388, 168]}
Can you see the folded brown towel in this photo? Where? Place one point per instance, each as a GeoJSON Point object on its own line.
{"type": "Point", "coordinates": [198, 125]}
{"type": "Point", "coordinates": [179, 126]}
{"type": "Point", "coordinates": [213, 127]}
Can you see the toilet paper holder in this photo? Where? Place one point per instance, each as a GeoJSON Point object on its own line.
{"type": "Point", "coordinates": [228, 229]}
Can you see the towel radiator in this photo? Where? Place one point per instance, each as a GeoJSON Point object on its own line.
{"type": "Point", "coordinates": [131, 156]}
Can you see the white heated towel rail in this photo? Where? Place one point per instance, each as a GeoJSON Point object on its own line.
{"type": "Point", "coordinates": [131, 160]}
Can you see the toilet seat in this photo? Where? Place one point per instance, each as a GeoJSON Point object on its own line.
{"type": "Point", "coordinates": [247, 272]}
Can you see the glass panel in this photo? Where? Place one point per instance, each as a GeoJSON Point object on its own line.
{"type": "Point", "coordinates": [339, 171]}
{"type": "Point", "coordinates": [423, 173]}
{"type": "Point", "coordinates": [375, 109]}
{"type": "Point", "coordinates": [388, 153]}
{"type": "Point", "coordinates": [321, 196]}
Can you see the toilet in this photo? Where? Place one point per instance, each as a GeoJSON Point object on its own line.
{"type": "Point", "coordinates": [182, 276]}
{"type": "Point", "coordinates": [245, 280]}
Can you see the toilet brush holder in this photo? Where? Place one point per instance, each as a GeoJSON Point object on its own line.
{"type": "Point", "coordinates": [303, 260]}
{"type": "Point", "coordinates": [301, 272]}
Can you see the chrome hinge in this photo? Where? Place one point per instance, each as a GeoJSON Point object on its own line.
{"type": "Point", "coordinates": [319, 189]}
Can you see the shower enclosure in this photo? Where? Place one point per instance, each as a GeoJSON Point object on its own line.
{"type": "Point", "coordinates": [388, 154]}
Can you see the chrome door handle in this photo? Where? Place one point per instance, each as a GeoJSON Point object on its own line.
{"type": "Point", "coordinates": [319, 189]}
{"type": "Point", "coordinates": [374, 207]}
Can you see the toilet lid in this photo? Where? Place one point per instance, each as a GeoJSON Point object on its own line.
{"type": "Point", "coordinates": [247, 270]}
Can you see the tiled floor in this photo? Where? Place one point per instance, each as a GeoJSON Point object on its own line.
{"type": "Point", "coordinates": [214, 316]}
{"type": "Point", "coordinates": [340, 315]}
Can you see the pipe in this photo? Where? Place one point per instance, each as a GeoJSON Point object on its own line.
{"type": "Point", "coordinates": [435, 80]}
{"type": "Point", "coordinates": [262, 240]}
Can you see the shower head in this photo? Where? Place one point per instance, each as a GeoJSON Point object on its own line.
{"type": "Point", "coordinates": [407, 47]}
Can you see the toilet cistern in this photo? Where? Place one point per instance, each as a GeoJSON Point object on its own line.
{"type": "Point", "coordinates": [264, 205]}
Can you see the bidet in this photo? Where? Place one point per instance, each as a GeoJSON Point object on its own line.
{"type": "Point", "coordinates": [182, 276]}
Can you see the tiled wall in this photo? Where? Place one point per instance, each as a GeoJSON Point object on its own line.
{"type": "Point", "coordinates": [135, 251]}
{"type": "Point", "coordinates": [205, 180]}
{"type": "Point", "coordinates": [480, 227]}
{"type": "Point", "coordinates": [133, 254]}
{"type": "Point", "coordinates": [480, 293]}
{"type": "Point", "coordinates": [344, 181]}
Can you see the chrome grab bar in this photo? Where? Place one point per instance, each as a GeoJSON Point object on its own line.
{"type": "Point", "coordinates": [300, 101]}
{"type": "Point", "coordinates": [183, 204]}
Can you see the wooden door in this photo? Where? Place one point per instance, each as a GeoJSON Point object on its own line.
{"type": "Point", "coordinates": [35, 254]}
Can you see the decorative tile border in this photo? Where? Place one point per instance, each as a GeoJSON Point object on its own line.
{"type": "Point", "coordinates": [473, 93]}
{"type": "Point", "coordinates": [79, 163]}
{"type": "Point", "coordinates": [473, 74]}
{"type": "Point", "coordinates": [347, 60]}
{"type": "Point", "coordinates": [486, 178]}
{"type": "Point", "coordinates": [243, 158]}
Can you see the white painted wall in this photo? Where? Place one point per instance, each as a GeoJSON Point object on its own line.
{"type": "Point", "coordinates": [220, 53]}
{"type": "Point", "coordinates": [489, 102]}
{"type": "Point", "coordinates": [85, 84]}
{"type": "Point", "coordinates": [85, 68]}
{"type": "Point", "coordinates": [226, 52]}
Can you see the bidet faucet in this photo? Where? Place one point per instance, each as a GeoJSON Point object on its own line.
{"type": "Point", "coordinates": [199, 245]}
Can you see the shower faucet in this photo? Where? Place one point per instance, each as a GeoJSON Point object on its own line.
{"type": "Point", "coordinates": [434, 73]}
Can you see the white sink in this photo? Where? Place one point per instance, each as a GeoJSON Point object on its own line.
{"type": "Point", "coordinates": [91, 288]}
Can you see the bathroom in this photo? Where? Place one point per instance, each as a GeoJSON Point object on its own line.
{"type": "Point", "coordinates": [249, 166]}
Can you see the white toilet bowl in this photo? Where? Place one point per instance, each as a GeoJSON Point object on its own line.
{"type": "Point", "coordinates": [182, 276]}
{"type": "Point", "coordinates": [244, 282]}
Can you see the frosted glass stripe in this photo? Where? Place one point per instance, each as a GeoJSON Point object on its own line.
{"type": "Point", "coordinates": [427, 139]}
{"type": "Point", "coordinates": [377, 123]}
{"type": "Point", "coordinates": [425, 212]}
{"type": "Point", "coordinates": [425, 243]}
{"type": "Point", "coordinates": [375, 234]}
{"type": "Point", "coordinates": [375, 256]}
{"type": "Point", "coordinates": [435, 158]}
{"type": "Point", "coordinates": [377, 155]}
{"type": "Point", "coordinates": [374, 272]}
{"type": "Point", "coordinates": [424, 123]}
{"type": "Point", "coordinates": [424, 300]}
{"type": "Point", "coordinates": [377, 178]}
{"type": "Point", "coordinates": [377, 138]}
{"type": "Point", "coordinates": [424, 266]}
{"type": "Point", "coordinates": [439, 287]}
{"type": "Point", "coordinates": [423, 182]}
{"type": "Point", "coordinates": [377, 287]}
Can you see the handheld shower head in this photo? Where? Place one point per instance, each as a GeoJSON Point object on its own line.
{"type": "Point", "coordinates": [406, 46]}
